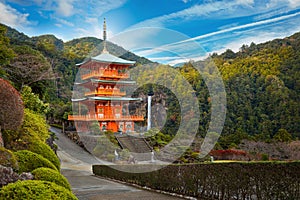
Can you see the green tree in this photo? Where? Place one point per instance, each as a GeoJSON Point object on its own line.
{"type": "Point", "coordinates": [33, 102]}
{"type": "Point", "coordinates": [29, 66]}
{"type": "Point", "coordinates": [6, 53]}
{"type": "Point", "coordinates": [282, 136]}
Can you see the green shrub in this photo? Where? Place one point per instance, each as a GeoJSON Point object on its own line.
{"type": "Point", "coordinates": [35, 189]}
{"type": "Point", "coordinates": [264, 157]}
{"type": "Point", "coordinates": [47, 174]}
{"type": "Point", "coordinates": [34, 127]}
{"type": "Point", "coordinates": [124, 154]}
{"type": "Point", "coordinates": [29, 161]}
{"type": "Point", "coordinates": [44, 150]}
{"type": "Point", "coordinates": [37, 123]}
{"type": "Point", "coordinates": [32, 143]}
{"type": "Point", "coordinates": [8, 159]}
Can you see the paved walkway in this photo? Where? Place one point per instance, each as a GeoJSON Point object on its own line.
{"type": "Point", "coordinates": [76, 166]}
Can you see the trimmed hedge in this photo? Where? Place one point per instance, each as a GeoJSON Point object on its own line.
{"type": "Point", "coordinates": [29, 161]}
{"type": "Point", "coordinates": [47, 174]}
{"type": "Point", "coordinates": [44, 150]}
{"type": "Point", "coordinates": [8, 159]}
{"type": "Point", "coordinates": [34, 189]}
{"type": "Point", "coordinates": [240, 180]}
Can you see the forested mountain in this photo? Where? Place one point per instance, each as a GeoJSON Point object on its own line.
{"type": "Point", "coordinates": [93, 46]}
{"type": "Point", "coordinates": [262, 82]}
{"type": "Point", "coordinates": [263, 89]}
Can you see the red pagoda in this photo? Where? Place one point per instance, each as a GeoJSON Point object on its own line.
{"type": "Point", "coordinates": [104, 76]}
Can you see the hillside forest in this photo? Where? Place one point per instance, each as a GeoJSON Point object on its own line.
{"type": "Point", "coordinates": [262, 84]}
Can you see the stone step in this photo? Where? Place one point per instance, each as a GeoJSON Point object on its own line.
{"type": "Point", "coordinates": [138, 146]}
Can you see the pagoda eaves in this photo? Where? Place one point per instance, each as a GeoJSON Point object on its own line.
{"type": "Point", "coordinates": [108, 99]}
{"type": "Point", "coordinates": [107, 58]}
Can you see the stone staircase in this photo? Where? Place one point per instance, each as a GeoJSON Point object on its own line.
{"type": "Point", "coordinates": [138, 146]}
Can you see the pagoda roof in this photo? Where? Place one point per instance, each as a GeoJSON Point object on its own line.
{"type": "Point", "coordinates": [112, 81]}
{"type": "Point", "coordinates": [116, 98]}
{"type": "Point", "coordinates": [121, 82]}
{"type": "Point", "coordinates": [108, 99]}
{"type": "Point", "coordinates": [106, 57]}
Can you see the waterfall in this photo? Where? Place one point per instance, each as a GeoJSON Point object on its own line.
{"type": "Point", "coordinates": [149, 113]}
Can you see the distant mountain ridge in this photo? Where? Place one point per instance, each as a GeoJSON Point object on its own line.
{"type": "Point", "coordinates": [79, 48]}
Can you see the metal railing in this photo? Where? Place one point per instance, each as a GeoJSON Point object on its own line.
{"type": "Point", "coordinates": [110, 92]}
{"type": "Point", "coordinates": [105, 118]}
{"type": "Point", "coordinates": [104, 74]}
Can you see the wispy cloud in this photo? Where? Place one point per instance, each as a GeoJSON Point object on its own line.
{"type": "Point", "coordinates": [12, 17]}
{"type": "Point", "coordinates": [62, 21]}
{"type": "Point", "coordinates": [231, 37]}
{"type": "Point", "coordinates": [222, 10]}
{"type": "Point", "coordinates": [92, 8]}
{"type": "Point", "coordinates": [249, 25]}
{"type": "Point", "coordinates": [91, 20]}
{"type": "Point", "coordinates": [216, 8]}
{"type": "Point", "coordinates": [58, 25]}
{"type": "Point", "coordinates": [290, 3]}
{"type": "Point", "coordinates": [81, 15]}
{"type": "Point", "coordinates": [65, 7]}
{"type": "Point", "coordinates": [294, 3]}
{"type": "Point", "coordinates": [95, 31]}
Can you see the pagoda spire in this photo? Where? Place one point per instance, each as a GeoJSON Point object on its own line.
{"type": "Point", "coordinates": [104, 37]}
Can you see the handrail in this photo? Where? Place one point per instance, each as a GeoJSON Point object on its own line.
{"type": "Point", "coordinates": [105, 118]}
{"type": "Point", "coordinates": [106, 92]}
{"type": "Point", "coordinates": [104, 74]}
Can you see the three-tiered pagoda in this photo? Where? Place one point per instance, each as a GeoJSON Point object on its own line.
{"type": "Point", "coordinates": [105, 75]}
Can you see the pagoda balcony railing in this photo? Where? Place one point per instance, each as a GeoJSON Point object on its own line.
{"type": "Point", "coordinates": [104, 74]}
{"type": "Point", "coordinates": [105, 118]}
{"type": "Point", "coordinates": [108, 92]}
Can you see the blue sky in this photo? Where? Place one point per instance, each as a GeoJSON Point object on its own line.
{"type": "Point", "coordinates": [168, 31]}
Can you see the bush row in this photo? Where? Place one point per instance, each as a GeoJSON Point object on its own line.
{"type": "Point", "coordinates": [240, 180]}
{"type": "Point", "coordinates": [29, 161]}
{"type": "Point", "coordinates": [45, 150]}
{"type": "Point", "coordinates": [49, 183]}
{"type": "Point", "coordinates": [47, 174]}
{"type": "Point", "coordinates": [35, 189]}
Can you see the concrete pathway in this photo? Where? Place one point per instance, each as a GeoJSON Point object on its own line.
{"type": "Point", "coordinates": [76, 166]}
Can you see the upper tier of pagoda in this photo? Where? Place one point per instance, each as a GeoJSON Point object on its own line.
{"type": "Point", "coordinates": [106, 57]}
{"type": "Point", "coordinates": [104, 74]}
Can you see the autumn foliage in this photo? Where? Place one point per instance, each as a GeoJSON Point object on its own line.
{"type": "Point", "coordinates": [11, 106]}
{"type": "Point", "coordinates": [229, 154]}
